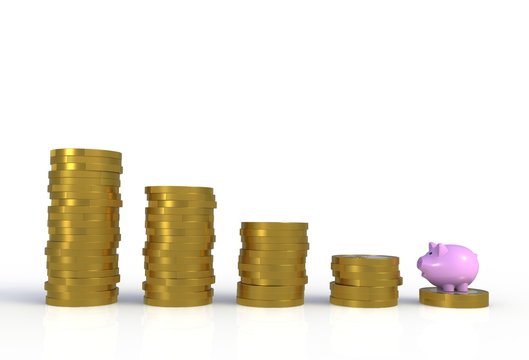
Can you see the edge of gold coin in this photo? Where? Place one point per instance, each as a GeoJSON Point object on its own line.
{"type": "Point", "coordinates": [270, 303]}
{"type": "Point", "coordinates": [473, 299]}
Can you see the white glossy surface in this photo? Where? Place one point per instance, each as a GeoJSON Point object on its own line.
{"type": "Point", "coordinates": [384, 124]}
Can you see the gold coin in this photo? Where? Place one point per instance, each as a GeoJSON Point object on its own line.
{"type": "Point", "coordinates": [272, 274]}
{"type": "Point", "coordinates": [82, 245]}
{"type": "Point", "coordinates": [86, 152]}
{"type": "Point", "coordinates": [197, 255]}
{"type": "Point", "coordinates": [364, 293]}
{"type": "Point", "coordinates": [365, 260]}
{"type": "Point", "coordinates": [83, 295]}
{"type": "Point", "coordinates": [83, 259]}
{"type": "Point", "coordinates": [85, 237]}
{"type": "Point", "coordinates": [473, 298]}
{"type": "Point", "coordinates": [275, 282]}
{"type": "Point", "coordinates": [83, 188]}
{"type": "Point", "coordinates": [273, 254]}
{"type": "Point", "coordinates": [171, 197]}
{"type": "Point", "coordinates": [180, 282]}
{"type": "Point", "coordinates": [270, 261]}
{"type": "Point", "coordinates": [180, 232]}
{"type": "Point", "coordinates": [364, 269]}
{"type": "Point", "coordinates": [83, 217]}
{"type": "Point", "coordinates": [178, 190]}
{"type": "Point", "coordinates": [84, 282]}
{"type": "Point", "coordinates": [273, 233]}
{"type": "Point", "coordinates": [364, 304]}
{"type": "Point", "coordinates": [182, 239]}
{"type": "Point", "coordinates": [270, 303]}
{"type": "Point", "coordinates": [376, 283]}
{"type": "Point", "coordinates": [184, 219]}
{"type": "Point", "coordinates": [176, 261]}
{"type": "Point", "coordinates": [274, 225]}
{"type": "Point", "coordinates": [178, 225]}
{"type": "Point", "coordinates": [83, 174]}
{"type": "Point", "coordinates": [80, 302]}
{"type": "Point", "coordinates": [182, 204]}
{"type": "Point", "coordinates": [84, 196]}
{"type": "Point", "coordinates": [83, 231]}
{"type": "Point", "coordinates": [184, 247]}
{"type": "Point", "coordinates": [274, 247]}
{"type": "Point", "coordinates": [83, 210]}
{"type": "Point", "coordinates": [266, 294]}
{"type": "Point", "coordinates": [75, 252]}
{"type": "Point", "coordinates": [177, 267]}
{"type": "Point", "coordinates": [275, 239]}
{"type": "Point", "coordinates": [245, 295]}
{"type": "Point", "coordinates": [367, 276]}
{"type": "Point", "coordinates": [275, 290]}
{"type": "Point", "coordinates": [178, 211]}
{"type": "Point", "coordinates": [177, 302]}
{"type": "Point", "coordinates": [179, 274]}
{"type": "Point", "coordinates": [271, 268]}
{"type": "Point", "coordinates": [171, 288]}
{"type": "Point", "coordinates": [82, 224]}
{"type": "Point", "coordinates": [65, 159]}
{"type": "Point", "coordinates": [76, 267]}
{"type": "Point", "coordinates": [81, 181]}
{"type": "Point", "coordinates": [272, 290]}
{"type": "Point", "coordinates": [87, 167]}
{"type": "Point", "coordinates": [86, 202]}
{"type": "Point", "coordinates": [83, 274]}
{"type": "Point", "coordinates": [166, 295]}
{"type": "Point", "coordinates": [77, 289]}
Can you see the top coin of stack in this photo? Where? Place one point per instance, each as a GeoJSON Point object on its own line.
{"type": "Point", "coordinates": [272, 264]}
{"type": "Point", "coordinates": [367, 281]}
{"type": "Point", "coordinates": [83, 227]}
{"type": "Point", "coordinates": [180, 237]}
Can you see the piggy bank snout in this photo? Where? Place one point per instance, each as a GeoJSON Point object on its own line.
{"type": "Point", "coordinates": [419, 263]}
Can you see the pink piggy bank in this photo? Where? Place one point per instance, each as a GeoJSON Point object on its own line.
{"type": "Point", "coordinates": [449, 267]}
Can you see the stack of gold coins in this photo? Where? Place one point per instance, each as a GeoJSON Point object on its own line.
{"type": "Point", "coordinates": [180, 237]}
{"type": "Point", "coordinates": [471, 299]}
{"type": "Point", "coordinates": [83, 227]}
{"type": "Point", "coordinates": [366, 281]}
{"type": "Point", "coordinates": [272, 264]}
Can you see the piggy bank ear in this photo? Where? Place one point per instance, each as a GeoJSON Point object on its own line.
{"type": "Point", "coordinates": [431, 246]}
{"type": "Point", "coordinates": [441, 249]}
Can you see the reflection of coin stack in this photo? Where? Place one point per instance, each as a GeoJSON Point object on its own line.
{"type": "Point", "coordinates": [83, 227]}
{"type": "Point", "coordinates": [367, 281]}
{"type": "Point", "coordinates": [180, 236]}
{"type": "Point", "coordinates": [471, 299]}
{"type": "Point", "coordinates": [272, 264]}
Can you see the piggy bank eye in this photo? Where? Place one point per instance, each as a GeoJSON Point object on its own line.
{"type": "Point", "coordinates": [430, 253]}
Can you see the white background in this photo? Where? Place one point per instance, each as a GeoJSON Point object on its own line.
{"type": "Point", "coordinates": [384, 124]}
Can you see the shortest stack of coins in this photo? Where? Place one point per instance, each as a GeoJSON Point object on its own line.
{"type": "Point", "coordinates": [365, 281]}
{"type": "Point", "coordinates": [180, 237]}
{"type": "Point", "coordinates": [272, 264]}
{"type": "Point", "coordinates": [471, 299]}
{"type": "Point", "coordinates": [83, 227]}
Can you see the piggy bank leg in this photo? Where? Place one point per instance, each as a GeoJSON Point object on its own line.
{"type": "Point", "coordinates": [448, 288]}
{"type": "Point", "coordinates": [462, 287]}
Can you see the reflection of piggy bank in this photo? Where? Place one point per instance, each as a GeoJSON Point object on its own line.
{"type": "Point", "coordinates": [449, 267]}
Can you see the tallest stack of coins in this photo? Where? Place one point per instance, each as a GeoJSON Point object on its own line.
{"type": "Point", "coordinates": [83, 227]}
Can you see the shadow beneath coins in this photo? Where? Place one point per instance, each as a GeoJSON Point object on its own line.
{"type": "Point", "coordinates": [317, 299]}
{"type": "Point", "coordinates": [130, 297]}
{"type": "Point", "coordinates": [23, 296]}
{"type": "Point", "coordinates": [224, 298]}
{"type": "Point", "coordinates": [408, 300]}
